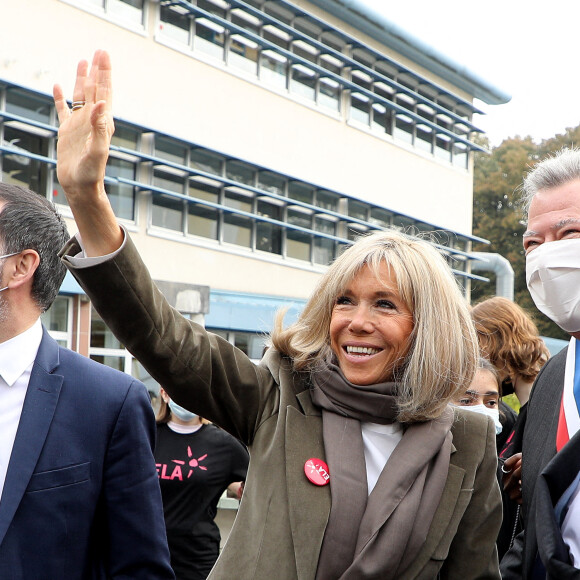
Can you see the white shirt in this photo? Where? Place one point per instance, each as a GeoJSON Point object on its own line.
{"type": "Point", "coordinates": [17, 356]}
{"type": "Point", "coordinates": [379, 442]}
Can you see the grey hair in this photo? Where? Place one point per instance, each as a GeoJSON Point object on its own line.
{"type": "Point", "coordinates": [28, 221]}
{"type": "Point", "coordinates": [555, 170]}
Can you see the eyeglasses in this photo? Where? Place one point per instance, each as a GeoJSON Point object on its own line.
{"type": "Point", "coordinates": [8, 255]}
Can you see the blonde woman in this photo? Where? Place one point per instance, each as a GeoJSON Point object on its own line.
{"type": "Point", "coordinates": [359, 467]}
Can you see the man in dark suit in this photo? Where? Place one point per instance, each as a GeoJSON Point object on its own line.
{"type": "Point", "coordinates": [549, 547]}
{"type": "Point", "coordinates": [79, 491]}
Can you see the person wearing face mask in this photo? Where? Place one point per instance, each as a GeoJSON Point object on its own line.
{"type": "Point", "coordinates": [196, 462]}
{"type": "Point", "coordinates": [482, 396]}
{"type": "Point", "coordinates": [549, 546]}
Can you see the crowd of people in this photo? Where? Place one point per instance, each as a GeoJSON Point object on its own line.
{"type": "Point", "coordinates": [365, 444]}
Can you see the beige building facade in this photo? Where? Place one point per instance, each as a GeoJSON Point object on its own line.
{"type": "Point", "coordinates": [254, 141]}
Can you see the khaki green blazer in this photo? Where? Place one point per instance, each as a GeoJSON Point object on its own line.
{"type": "Point", "coordinates": [280, 525]}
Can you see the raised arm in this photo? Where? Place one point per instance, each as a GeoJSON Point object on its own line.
{"type": "Point", "coordinates": [83, 148]}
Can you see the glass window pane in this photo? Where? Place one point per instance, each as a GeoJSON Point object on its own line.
{"type": "Point", "coordinates": [56, 317]}
{"type": "Point", "coordinates": [404, 223]}
{"type": "Point", "coordinates": [443, 147]}
{"type": "Point", "coordinates": [382, 118]}
{"type": "Point", "coordinates": [360, 109]}
{"type": "Point", "coordinates": [130, 10]}
{"type": "Point", "coordinates": [168, 181]}
{"type": "Point", "coordinates": [202, 221]}
{"type": "Point", "coordinates": [237, 230]}
{"type": "Point", "coordinates": [22, 170]}
{"type": "Point", "coordinates": [354, 232]}
{"type": "Point", "coordinates": [170, 150]}
{"type": "Point", "coordinates": [206, 161]}
{"type": "Point", "coordinates": [380, 217]}
{"type": "Point", "coordinates": [175, 25]}
{"type": "Point", "coordinates": [323, 251]}
{"type": "Point", "coordinates": [271, 182]}
{"type": "Point", "coordinates": [121, 195]}
{"type": "Point", "coordinates": [460, 155]}
{"type": "Point", "coordinates": [299, 218]}
{"type": "Point", "coordinates": [24, 104]}
{"type": "Point", "coordinates": [298, 245]}
{"type": "Point", "coordinates": [243, 54]}
{"type": "Point", "coordinates": [101, 336]}
{"type": "Point", "coordinates": [251, 344]}
{"type": "Point", "coordinates": [357, 209]}
{"type": "Point", "coordinates": [273, 68]}
{"type": "Point", "coordinates": [303, 81]}
{"type": "Point", "coordinates": [329, 94]}
{"type": "Point", "coordinates": [115, 362]}
{"type": "Point", "coordinates": [203, 191]}
{"type": "Point", "coordinates": [125, 137]}
{"type": "Point", "coordinates": [167, 212]}
{"type": "Point", "coordinates": [300, 192]}
{"type": "Point", "coordinates": [327, 200]}
{"type": "Point", "coordinates": [238, 201]}
{"type": "Point", "coordinates": [404, 128]}
{"type": "Point", "coordinates": [269, 236]}
{"type": "Point", "coordinates": [424, 138]}
{"type": "Point", "coordinates": [240, 172]}
{"type": "Point", "coordinates": [209, 38]}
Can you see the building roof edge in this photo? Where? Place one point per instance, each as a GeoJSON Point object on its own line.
{"type": "Point", "coordinates": [370, 22]}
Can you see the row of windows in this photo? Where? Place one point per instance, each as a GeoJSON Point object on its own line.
{"type": "Point", "coordinates": [291, 51]}
{"type": "Point", "coordinates": [106, 349]}
{"type": "Point", "coordinates": [202, 194]}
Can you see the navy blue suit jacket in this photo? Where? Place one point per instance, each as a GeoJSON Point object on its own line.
{"type": "Point", "coordinates": [81, 498]}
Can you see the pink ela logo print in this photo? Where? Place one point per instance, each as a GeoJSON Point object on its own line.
{"type": "Point", "coordinates": [181, 466]}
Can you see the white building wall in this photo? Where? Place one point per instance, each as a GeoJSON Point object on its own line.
{"type": "Point", "coordinates": [42, 40]}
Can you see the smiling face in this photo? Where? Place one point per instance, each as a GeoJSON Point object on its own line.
{"type": "Point", "coordinates": [370, 327]}
{"type": "Point", "coordinates": [554, 215]}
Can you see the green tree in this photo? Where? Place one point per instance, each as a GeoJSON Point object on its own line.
{"type": "Point", "coordinates": [497, 213]}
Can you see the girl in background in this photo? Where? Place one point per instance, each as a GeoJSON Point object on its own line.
{"type": "Point", "coordinates": [196, 463]}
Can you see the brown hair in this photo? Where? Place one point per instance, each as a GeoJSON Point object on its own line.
{"type": "Point", "coordinates": [509, 338]}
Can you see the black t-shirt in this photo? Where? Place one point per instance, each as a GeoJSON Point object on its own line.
{"type": "Point", "coordinates": [194, 470]}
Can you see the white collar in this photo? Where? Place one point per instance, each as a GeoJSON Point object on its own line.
{"type": "Point", "coordinates": [19, 352]}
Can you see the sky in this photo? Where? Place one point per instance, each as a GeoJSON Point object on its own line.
{"type": "Point", "coordinates": [526, 48]}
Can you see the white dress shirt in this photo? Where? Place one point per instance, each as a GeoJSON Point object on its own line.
{"type": "Point", "coordinates": [379, 442]}
{"type": "Point", "coordinates": [17, 356]}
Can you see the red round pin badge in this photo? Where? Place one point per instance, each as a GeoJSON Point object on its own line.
{"type": "Point", "coordinates": [317, 471]}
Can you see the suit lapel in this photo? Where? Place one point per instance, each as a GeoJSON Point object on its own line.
{"type": "Point", "coordinates": [37, 414]}
{"type": "Point", "coordinates": [559, 478]}
{"type": "Point", "coordinates": [308, 504]}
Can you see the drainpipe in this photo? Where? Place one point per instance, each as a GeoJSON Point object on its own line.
{"type": "Point", "coordinates": [504, 285]}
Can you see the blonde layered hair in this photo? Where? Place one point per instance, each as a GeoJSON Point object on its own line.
{"type": "Point", "coordinates": [509, 338]}
{"type": "Point", "coordinates": [443, 351]}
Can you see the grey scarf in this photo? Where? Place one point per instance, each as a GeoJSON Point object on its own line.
{"type": "Point", "coordinates": [376, 535]}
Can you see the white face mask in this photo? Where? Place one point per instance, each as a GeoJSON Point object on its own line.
{"type": "Point", "coordinates": [180, 412]}
{"type": "Point", "coordinates": [553, 278]}
{"type": "Point", "coordinates": [483, 410]}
